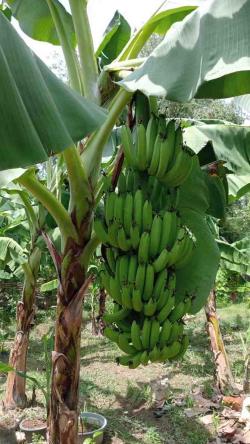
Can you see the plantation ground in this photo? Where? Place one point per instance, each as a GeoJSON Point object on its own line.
{"type": "Point", "coordinates": [126, 397]}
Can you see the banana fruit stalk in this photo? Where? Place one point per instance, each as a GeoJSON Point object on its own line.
{"type": "Point", "coordinates": [144, 243]}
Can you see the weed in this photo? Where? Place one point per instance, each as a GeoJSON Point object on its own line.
{"type": "Point", "coordinates": [139, 395]}
{"type": "Point", "coordinates": [152, 436]}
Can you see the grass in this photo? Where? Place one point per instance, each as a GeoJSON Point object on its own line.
{"type": "Point", "coordinates": [126, 397]}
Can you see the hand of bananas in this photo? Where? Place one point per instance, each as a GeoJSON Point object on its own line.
{"type": "Point", "coordinates": [145, 242]}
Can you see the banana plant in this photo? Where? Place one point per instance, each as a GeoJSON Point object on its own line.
{"type": "Point", "coordinates": [61, 118]}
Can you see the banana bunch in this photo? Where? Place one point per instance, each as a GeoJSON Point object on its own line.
{"type": "Point", "coordinates": [144, 243]}
{"type": "Point", "coordinates": [158, 150]}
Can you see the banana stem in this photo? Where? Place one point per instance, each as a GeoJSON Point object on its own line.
{"type": "Point", "coordinates": [29, 181]}
{"type": "Point", "coordinates": [92, 155]}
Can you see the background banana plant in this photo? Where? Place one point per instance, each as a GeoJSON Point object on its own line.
{"type": "Point", "coordinates": [190, 55]}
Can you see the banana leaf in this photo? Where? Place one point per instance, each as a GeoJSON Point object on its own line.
{"type": "Point", "coordinates": [40, 115]}
{"type": "Point", "coordinates": [37, 23]}
{"type": "Point", "coordinates": [207, 55]}
{"type": "Point", "coordinates": [116, 36]}
{"type": "Point", "coordinates": [197, 278]}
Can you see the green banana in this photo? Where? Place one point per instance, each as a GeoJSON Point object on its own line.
{"type": "Point", "coordinates": [111, 334]}
{"type": "Point", "coordinates": [154, 354]}
{"type": "Point", "coordinates": [124, 360]}
{"type": "Point", "coordinates": [110, 207]}
{"type": "Point", "coordinates": [112, 234]}
{"type": "Point", "coordinates": [152, 169]}
{"type": "Point", "coordinates": [141, 160]}
{"type": "Point", "coordinates": [136, 361]}
{"type": "Point", "coordinates": [144, 358]}
{"type": "Point", "coordinates": [163, 298]}
{"type": "Point", "coordinates": [110, 256]}
{"type": "Point", "coordinates": [128, 213]}
{"type": "Point", "coordinates": [161, 261]}
{"type": "Point", "coordinates": [155, 333]}
{"type": "Point", "coordinates": [172, 283]}
{"type": "Point", "coordinates": [115, 290]}
{"type": "Point", "coordinates": [117, 316]}
{"type": "Point", "coordinates": [121, 184]}
{"type": "Point", "coordinates": [184, 345]}
{"type": "Point", "coordinates": [105, 280]}
{"type": "Point", "coordinates": [138, 207]}
{"type": "Point", "coordinates": [132, 269]}
{"type": "Point", "coordinates": [137, 300]}
{"type": "Point", "coordinates": [160, 282]}
{"type": "Point", "coordinates": [155, 236]}
{"type": "Point", "coordinates": [119, 210]}
{"type": "Point", "coordinates": [177, 312]}
{"type": "Point", "coordinates": [188, 251]}
{"type": "Point", "coordinates": [147, 216]}
{"type": "Point", "coordinates": [129, 180]}
{"type": "Point", "coordinates": [101, 231]}
{"type": "Point", "coordinates": [167, 150]}
{"type": "Point", "coordinates": [140, 277]}
{"type": "Point", "coordinates": [136, 336]}
{"type": "Point", "coordinates": [174, 332]}
{"type": "Point", "coordinates": [123, 264]}
{"type": "Point", "coordinates": [126, 297]}
{"type": "Point", "coordinates": [127, 144]}
{"type": "Point", "coordinates": [149, 308]}
{"type": "Point", "coordinates": [165, 333]}
{"type": "Point", "coordinates": [180, 170]}
{"type": "Point", "coordinates": [151, 134]}
{"type": "Point", "coordinates": [123, 243]}
{"type": "Point", "coordinates": [164, 312]}
{"type": "Point", "coordinates": [135, 236]}
{"type": "Point", "coordinates": [173, 229]}
{"type": "Point", "coordinates": [143, 251]}
{"type": "Point", "coordinates": [145, 333]}
{"type": "Point", "coordinates": [125, 346]}
{"type": "Point", "coordinates": [149, 283]}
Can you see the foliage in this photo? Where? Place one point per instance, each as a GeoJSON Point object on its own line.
{"type": "Point", "coordinates": [186, 45]}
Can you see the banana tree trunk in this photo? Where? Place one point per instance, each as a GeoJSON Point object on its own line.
{"type": "Point", "coordinates": [15, 395]}
{"type": "Point", "coordinates": [224, 378]}
{"type": "Point", "coordinates": [63, 413]}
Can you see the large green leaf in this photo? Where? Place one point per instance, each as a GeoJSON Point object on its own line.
{"type": "Point", "coordinates": [197, 278]}
{"type": "Point", "coordinates": [35, 20]}
{"type": "Point", "coordinates": [230, 143]}
{"type": "Point", "coordinates": [40, 115]}
{"type": "Point", "coordinates": [115, 38]}
{"type": "Point", "coordinates": [205, 55]}
{"type": "Point", "coordinates": [9, 248]}
{"type": "Point", "coordinates": [233, 258]}
{"type": "Point", "coordinates": [163, 21]}
{"type": "Point", "coordinates": [238, 186]}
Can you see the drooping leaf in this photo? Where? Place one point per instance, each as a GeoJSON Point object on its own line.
{"type": "Point", "coordinates": [49, 286]}
{"type": "Point", "coordinates": [196, 60]}
{"type": "Point", "coordinates": [35, 20]}
{"type": "Point", "coordinates": [9, 246]}
{"type": "Point", "coordinates": [39, 114]}
{"type": "Point", "coordinates": [230, 143]}
{"type": "Point", "coordinates": [217, 196]}
{"type": "Point", "coordinates": [197, 278]}
{"type": "Point", "coordinates": [233, 258]}
{"type": "Point", "coordinates": [238, 186]}
{"type": "Point", "coordinates": [115, 38]}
